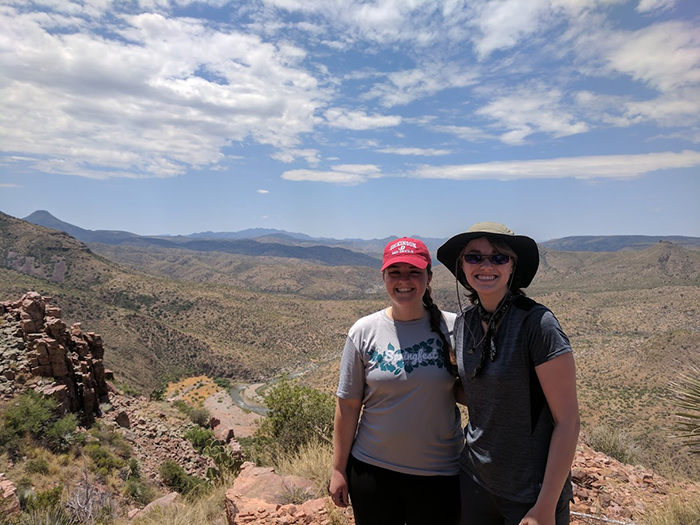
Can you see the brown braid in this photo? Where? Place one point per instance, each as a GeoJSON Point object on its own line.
{"type": "Point", "coordinates": [435, 316]}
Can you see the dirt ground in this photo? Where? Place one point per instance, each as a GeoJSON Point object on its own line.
{"type": "Point", "coordinates": [221, 406]}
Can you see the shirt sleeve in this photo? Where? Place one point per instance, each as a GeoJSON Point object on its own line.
{"type": "Point", "coordinates": [352, 372]}
{"type": "Point", "coordinates": [547, 339]}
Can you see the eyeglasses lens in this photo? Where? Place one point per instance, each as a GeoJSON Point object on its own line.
{"type": "Point", "coordinates": [496, 258]}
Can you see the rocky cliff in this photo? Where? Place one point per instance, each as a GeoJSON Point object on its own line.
{"type": "Point", "coordinates": [37, 344]}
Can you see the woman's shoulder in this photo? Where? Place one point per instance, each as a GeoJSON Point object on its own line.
{"type": "Point", "coordinates": [369, 321]}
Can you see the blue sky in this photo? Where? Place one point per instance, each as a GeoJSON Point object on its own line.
{"type": "Point", "coordinates": [348, 118]}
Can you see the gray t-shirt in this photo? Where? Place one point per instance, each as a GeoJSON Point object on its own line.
{"type": "Point", "coordinates": [510, 425]}
{"type": "Point", "coordinates": [410, 422]}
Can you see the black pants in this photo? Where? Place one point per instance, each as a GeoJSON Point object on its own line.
{"type": "Point", "coordinates": [384, 497]}
{"type": "Point", "coordinates": [481, 507]}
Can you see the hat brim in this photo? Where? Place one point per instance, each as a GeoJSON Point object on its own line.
{"type": "Point", "coordinates": [413, 260]}
{"type": "Point", "coordinates": [524, 247]}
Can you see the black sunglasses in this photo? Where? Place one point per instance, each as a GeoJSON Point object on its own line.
{"type": "Point", "coordinates": [496, 258]}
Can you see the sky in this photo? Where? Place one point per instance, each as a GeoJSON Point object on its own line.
{"type": "Point", "coordinates": [350, 118]}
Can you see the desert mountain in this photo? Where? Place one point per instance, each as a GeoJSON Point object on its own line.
{"type": "Point", "coordinates": [613, 243]}
{"type": "Point", "coordinates": [159, 327]}
{"type": "Point", "coordinates": [372, 247]}
{"type": "Point", "coordinates": [631, 315]}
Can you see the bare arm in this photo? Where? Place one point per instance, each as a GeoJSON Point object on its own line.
{"type": "Point", "coordinates": [460, 396]}
{"type": "Point", "coordinates": [558, 380]}
{"type": "Point", "coordinates": [347, 413]}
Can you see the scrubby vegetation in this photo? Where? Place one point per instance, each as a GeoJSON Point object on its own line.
{"type": "Point", "coordinates": [297, 415]}
{"type": "Point", "coordinates": [687, 403]}
{"type": "Point", "coordinates": [33, 420]}
{"type": "Point", "coordinates": [65, 473]}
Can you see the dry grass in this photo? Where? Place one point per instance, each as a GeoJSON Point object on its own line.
{"type": "Point", "coordinates": [678, 511]}
{"type": "Point", "coordinates": [313, 461]}
{"type": "Point", "coordinates": [206, 509]}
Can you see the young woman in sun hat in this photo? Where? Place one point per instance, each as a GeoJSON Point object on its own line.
{"type": "Point", "coordinates": [518, 382]}
{"type": "Point", "coordinates": [399, 465]}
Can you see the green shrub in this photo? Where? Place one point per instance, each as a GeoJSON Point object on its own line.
{"type": "Point", "coordinates": [30, 416]}
{"type": "Point", "coordinates": [37, 466]}
{"type": "Point", "coordinates": [158, 394]}
{"type": "Point", "coordinates": [103, 461]}
{"type": "Point", "coordinates": [200, 437]}
{"type": "Point", "coordinates": [296, 416]}
{"type": "Point", "coordinates": [200, 416]}
{"type": "Point", "coordinates": [175, 477]}
{"type": "Point", "coordinates": [113, 439]}
{"type": "Point", "coordinates": [183, 407]}
{"type": "Point", "coordinates": [223, 382]}
{"type": "Point", "coordinates": [134, 469]}
{"type": "Point", "coordinates": [46, 500]}
{"type": "Point", "coordinates": [61, 435]}
{"type": "Point", "coordinates": [139, 491]}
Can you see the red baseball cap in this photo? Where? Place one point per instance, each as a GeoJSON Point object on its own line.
{"type": "Point", "coordinates": [406, 250]}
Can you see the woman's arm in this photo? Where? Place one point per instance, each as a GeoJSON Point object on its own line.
{"type": "Point", "coordinates": [558, 380]}
{"type": "Point", "coordinates": [347, 413]}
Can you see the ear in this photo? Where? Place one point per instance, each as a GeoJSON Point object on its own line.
{"type": "Point", "coordinates": [430, 277]}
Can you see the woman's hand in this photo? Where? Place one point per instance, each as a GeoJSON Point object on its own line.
{"type": "Point", "coordinates": [538, 516]}
{"type": "Point", "coordinates": [347, 413]}
{"type": "Point", "coordinates": [339, 489]}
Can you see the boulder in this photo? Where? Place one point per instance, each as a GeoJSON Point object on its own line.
{"type": "Point", "coordinates": [9, 502]}
{"type": "Point", "coordinates": [259, 495]}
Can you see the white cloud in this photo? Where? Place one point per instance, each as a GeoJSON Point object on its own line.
{"type": "Point", "coordinates": [665, 56]}
{"type": "Point", "coordinates": [165, 100]}
{"type": "Point", "coordinates": [290, 155]}
{"type": "Point", "coordinates": [403, 87]}
{"type": "Point", "coordinates": [9, 185]}
{"type": "Point", "coordinates": [593, 167]}
{"type": "Point", "coordinates": [647, 6]}
{"type": "Point", "coordinates": [346, 174]}
{"type": "Point", "coordinates": [359, 120]}
{"type": "Point", "coordinates": [525, 111]}
{"type": "Point", "coordinates": [425, 152]}
{"type": "Point", "coordinates": [264, 192]}
{"type": "Point", "coordinates": [467, 133]}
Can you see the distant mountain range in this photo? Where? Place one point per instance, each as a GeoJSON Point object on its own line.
{"type": "Point", "coordinates": [241, 243]}
{"type": "Point", "coordinates": [361, 252]}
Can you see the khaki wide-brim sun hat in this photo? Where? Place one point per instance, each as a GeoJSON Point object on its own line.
{"type": "Point", "coordinates": [524, 247]}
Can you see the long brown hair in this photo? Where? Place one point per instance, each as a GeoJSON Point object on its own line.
{"type": "Point", "coordinates": [435, 317]}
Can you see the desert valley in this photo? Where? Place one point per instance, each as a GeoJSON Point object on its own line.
{"type": "Point", "coordinates": [213, 326]}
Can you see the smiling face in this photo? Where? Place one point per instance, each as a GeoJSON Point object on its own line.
{"type": "Point", "coordinates": [490, 281]}
{"type": "Point", "coordinates": [406, 285]}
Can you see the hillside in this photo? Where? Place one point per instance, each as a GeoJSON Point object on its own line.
{"type": "Point", "coordinates": [158, 327]}
{"type": "Point", "coordinates": [613, 243]}
{"type": "Point", "coordinates": [632, 317]}
{"type": "Point", "coordinates": [372, 247]}
{"type": "Point", "coordinates": [289, 247]}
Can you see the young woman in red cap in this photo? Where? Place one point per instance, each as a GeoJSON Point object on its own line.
{"type": "Point", "coordinates": [399, 465]}
{"type": "Point", "coordinates": [519, 384]}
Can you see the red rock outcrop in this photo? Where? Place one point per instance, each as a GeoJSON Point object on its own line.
{"type": "Point", "coordinates": [9, 502]}
{"type": "Point", "coordinates": [258, 497]}
{"type": "Point", "coordinates": [71, 357]}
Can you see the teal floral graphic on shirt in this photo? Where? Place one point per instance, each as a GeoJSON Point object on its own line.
{"type": "Point", "coordinates": [425, 353]}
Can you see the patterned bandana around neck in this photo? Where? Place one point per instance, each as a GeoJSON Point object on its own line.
{"type": "Point", "coordinates": [491, 320]}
